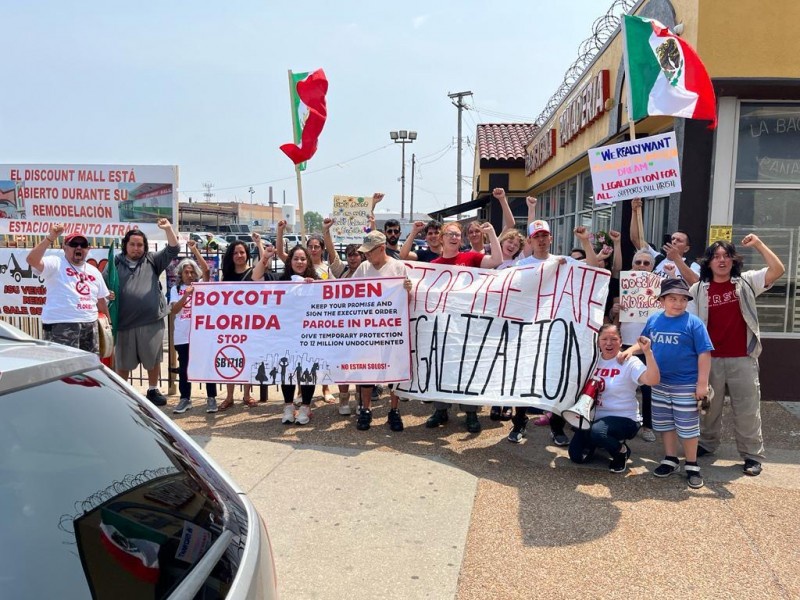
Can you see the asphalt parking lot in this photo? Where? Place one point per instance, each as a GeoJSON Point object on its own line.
{"type": "Point", "coordinates": [444, 514]}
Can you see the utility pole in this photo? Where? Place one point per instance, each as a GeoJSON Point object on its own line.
{"type": "Point", "coordinates": [208, 194]}
{"type": "Point", "coordinates": [457, 99]}
{"type": "Point", "coordinates": [272, 204]}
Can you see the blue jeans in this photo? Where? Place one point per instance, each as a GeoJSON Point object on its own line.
{"type": "Point", "coordinates": [608, 433]}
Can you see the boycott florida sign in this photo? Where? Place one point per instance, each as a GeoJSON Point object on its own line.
{"type": "Point", "coordinates": [523, 336]}
{"type": "Point", "coordinates": [638, 298]}
{"type": "Point", "coordinates": [642, 168]}
{"type": "Point", "coordinates": [94, 200]}
{"type": "Point", "coordinates": [350, 216]}
{"type": "Point", "coordinates": [336, 331]}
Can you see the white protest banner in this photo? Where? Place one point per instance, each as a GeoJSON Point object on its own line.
{"type": "Point", "coordinates": [323, 332]}
{"type": "Point", "coordinates": [642, 168]}
{"type": "Point", "coordinates": [350, 216]}
{"type": "Point", "coordinates": [524, 336]}
{"type": "Point", "coordinates": [94, 200]}
{"type": "Point", "coordinates": [23, 292]}
{"type": "Point", "coordinates": [638, 297]}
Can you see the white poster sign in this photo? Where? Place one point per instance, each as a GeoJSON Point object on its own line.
{"type": "Point", "coordinates": [23, 292]}
{"type": "Point", "coordinates": [323, 332]}
{"type": "Point", "coordinates": [642, 168]}
{"type": "Point", "coordinates": [518, 337]}
{"type": "Point", "coordinates": [638, 295]}
{"type": "Point", "coordinates": [350, 216]}
{"type": "Point", "coordinates": [94, 200]}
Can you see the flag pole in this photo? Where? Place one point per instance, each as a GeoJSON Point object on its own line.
{"type": "Point", "coordinates": [297, 167]}
{"type": "Point", "coordinates": [300, 203]}
{"type": "Point", "coordinates": [629, 94]}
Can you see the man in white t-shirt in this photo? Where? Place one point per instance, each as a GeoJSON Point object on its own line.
{"type": "Point", "coordinates": [378, 264]}
{"type": "Point", "coordinates": [75, 291]}
{"type": "Point", "coordinates": [673, 261]}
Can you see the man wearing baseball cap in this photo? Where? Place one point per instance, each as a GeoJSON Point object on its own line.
{"type": "Point", "coordinates": [378, 264]}
{"type": "Point", "coordinates": [75, 291]}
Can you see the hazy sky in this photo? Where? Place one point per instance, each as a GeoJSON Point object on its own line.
{"type": "Point", "coordinates": [203, 85]}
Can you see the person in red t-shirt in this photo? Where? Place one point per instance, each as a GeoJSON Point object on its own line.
{"type": "Point", "coordinates": [725, 300]}
{"type": "Point", "coordinates": [451, 255]}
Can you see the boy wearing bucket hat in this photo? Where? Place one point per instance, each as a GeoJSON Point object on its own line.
{"type": "Point", "coordinates": [682, 350]}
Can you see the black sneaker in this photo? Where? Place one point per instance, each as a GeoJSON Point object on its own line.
{"type": "Point", "coordinates": [619, 462]}
{"type": "Point", "coordinates": [496, 413]}
{"type": "Point", "coordinates": [439, 417]}
{"type": "Point", "coordinates": [703, 452]}
{"type": "Point", "coordinates": [364, 419]}
{"type": "Point", "coordinates": [394, 420]}
{"type": "Point", "coordinates": [473, 424]}
{"type": "Point", "coordinates": [156, 397]}
{"type": "Point", "coordinates": [666, 468]}
{"type": "Point", "coordinates": [693, 476]}
{"type": "Point", "coordinates": [559, 439]}
{"type": "Point", "coordinates": [751, 467]}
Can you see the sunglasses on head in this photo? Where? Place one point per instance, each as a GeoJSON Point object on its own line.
{"type": "Point", "coordinates": [392, 231]}
{"type": "Point", "coordinates": [645, 263]}
{"type": "Point", "coordinates": [78, 244]}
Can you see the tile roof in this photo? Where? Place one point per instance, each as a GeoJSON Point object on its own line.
{"type": "Point", "coordinates": [504, 141]}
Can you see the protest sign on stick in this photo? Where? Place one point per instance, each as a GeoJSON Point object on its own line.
{"type": "Point", "coordinates": [638, 295]}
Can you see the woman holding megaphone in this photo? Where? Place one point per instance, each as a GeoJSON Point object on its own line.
{"type": "Point", "coordinates": [616, 417]}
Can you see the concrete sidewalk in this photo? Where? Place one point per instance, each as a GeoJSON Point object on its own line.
{"type": "Point", "coordinates": [447, 515]}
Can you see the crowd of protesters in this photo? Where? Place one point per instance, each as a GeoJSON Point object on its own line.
{"type": "Point", "coordinates": [703, 344]}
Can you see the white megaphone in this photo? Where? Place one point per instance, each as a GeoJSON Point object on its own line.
{"type": "Point", "coordinates": [580, 414]}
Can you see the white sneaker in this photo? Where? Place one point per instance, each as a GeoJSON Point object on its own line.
{"type": "Point", "coordinates": [288, 413]}
{"type": "Point", "coordinates": [304, 414]}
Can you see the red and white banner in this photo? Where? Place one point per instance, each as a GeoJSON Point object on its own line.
{"type": "Point", "coordinates": [523, 336]}
{"type": "Point", "coordinates": [323, 332]}
{"type": "Point", "coordinates": [94, 200]}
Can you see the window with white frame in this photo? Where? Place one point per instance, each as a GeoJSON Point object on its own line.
{"type": "Point", "coordinates": [766, 201]}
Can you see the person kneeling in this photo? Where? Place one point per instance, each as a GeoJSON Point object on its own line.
{"type": "Point", "coordinates": [617, 417]}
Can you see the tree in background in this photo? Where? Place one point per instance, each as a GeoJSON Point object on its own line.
{"type": "Point", "coordinates": [313, 222]}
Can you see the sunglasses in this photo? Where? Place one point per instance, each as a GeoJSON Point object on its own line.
{"type": "Point", "coordinates": [392, 231]}
{"type": "Point", "coordinates": [645, 263]}
{"type": "Point", "coordinates": [78, 244]}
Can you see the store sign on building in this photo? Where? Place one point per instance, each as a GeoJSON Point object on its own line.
{"type": "Point", "coordinates": [542, 149]}
{"type": "Point", "coordinates": [585, 108]}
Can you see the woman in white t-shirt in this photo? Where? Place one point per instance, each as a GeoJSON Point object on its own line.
{"type": "Point", "coordinates": [180, 298]}
{"type": "Point", "coordinates": [616, 417]}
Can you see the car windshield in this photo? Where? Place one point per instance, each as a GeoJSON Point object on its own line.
{"type": "Point", "coordinates": [98, 496]}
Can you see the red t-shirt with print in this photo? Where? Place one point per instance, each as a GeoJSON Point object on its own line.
{"type": "Point", "coordinates": [470, 258]}
{"type": "Point", "coordinates": [726, 326]}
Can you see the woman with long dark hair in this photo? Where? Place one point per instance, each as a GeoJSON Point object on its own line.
{"type": "Point", "coordinates": [235, 268]}
{"type": "Point", "coordinates": [298, 267]}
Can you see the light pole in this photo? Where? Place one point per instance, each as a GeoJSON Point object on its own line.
{"type": "Point", "coordinates": [403, 137]}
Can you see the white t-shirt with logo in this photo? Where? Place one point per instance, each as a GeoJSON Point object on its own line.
{"type": "Point", "coordinates": [618, 399]}
{"type": "Point", "coordinates": [183, 320]}
{"type": "Point", "coordinates": [72, 292]}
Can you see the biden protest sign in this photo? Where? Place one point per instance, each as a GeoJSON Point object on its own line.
{"type": "Point", "coordinates": [523, 336]}
{"type": "Point", "coordinates": [348, 331]}
{"type": "Point", "coordinates": [642, 168]}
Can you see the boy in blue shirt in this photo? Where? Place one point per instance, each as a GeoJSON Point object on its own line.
{"type": "Point", "coordinates": [682, 349]}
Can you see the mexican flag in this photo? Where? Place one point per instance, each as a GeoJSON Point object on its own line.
{"type": "Point", "coordinates": [665, 75]}
{"type": "Point", "coordinates": [309, 112]}
{"type": "Point", "coordinates": [133, 546]}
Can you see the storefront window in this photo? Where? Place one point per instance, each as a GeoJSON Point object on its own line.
{"type": "Point", "coordinates": [767, 202]}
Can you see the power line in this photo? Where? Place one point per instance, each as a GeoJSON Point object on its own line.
{"type": "Point", "coordinates": [338, 164]}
